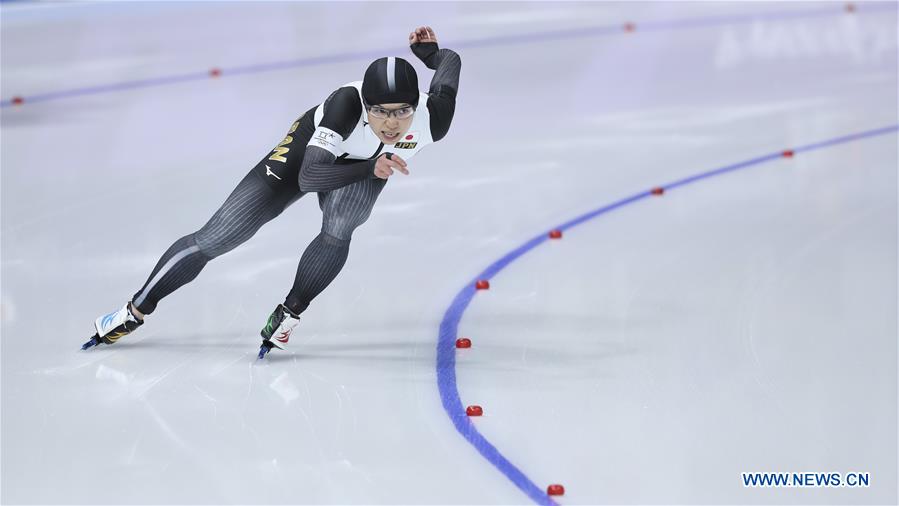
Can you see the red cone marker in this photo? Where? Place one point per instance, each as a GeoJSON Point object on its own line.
{"type": "Point", "coordinates": [555, 489]}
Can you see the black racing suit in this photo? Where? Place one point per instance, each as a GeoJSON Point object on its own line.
{"type": "Point", "coordinates": [346, 193]}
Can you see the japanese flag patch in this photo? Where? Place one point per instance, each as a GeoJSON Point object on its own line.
{"type": "Point", "coordinates": [410, 140]}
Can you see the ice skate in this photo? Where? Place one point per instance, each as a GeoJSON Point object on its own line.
{"type": "Point", "coordinates": [276, 332]}
{"type": "Point", "coordinates": [111, 327]}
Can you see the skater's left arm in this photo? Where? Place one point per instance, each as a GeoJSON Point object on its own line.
{"type": "Point", "coordinates": [445, 83]}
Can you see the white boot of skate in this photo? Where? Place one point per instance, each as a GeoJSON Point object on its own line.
{"type": "Point", "coordinates": [277, 330]}
{"type": "Point", "coordinates": [113, 326]}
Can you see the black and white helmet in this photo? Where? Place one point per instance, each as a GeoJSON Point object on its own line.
{"type": "Point", "coordinates": [390, 80]}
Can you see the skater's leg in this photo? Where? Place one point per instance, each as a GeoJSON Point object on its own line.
{"type": "Point", "coordinates": [250, 205]}
{"type": "Point", "coordinates": [343, 210]}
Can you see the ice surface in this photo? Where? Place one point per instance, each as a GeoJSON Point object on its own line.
{"type": "Point", "coordinates": [743, 323]}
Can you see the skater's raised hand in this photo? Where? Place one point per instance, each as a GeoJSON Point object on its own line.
{"type": "Point", "coordinates": [423, 43]}
{"type": "Point", "coordinates": [387, 163]}
{"type": "Point", "coordinates": [422, 34]}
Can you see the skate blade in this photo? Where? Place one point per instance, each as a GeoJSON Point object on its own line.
{"type": "Point", "coordinates": [93, 342]}
{"type": "Point", "coordinates": [264, 349]}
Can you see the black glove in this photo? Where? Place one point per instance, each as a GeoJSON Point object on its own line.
{"type": "Point", "coordinates": [426, 51]}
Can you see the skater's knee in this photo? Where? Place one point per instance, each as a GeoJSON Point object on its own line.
{"type": "Point", "coordinates": [195, 241]}
{"type": "Point", "coordinates": [338, 229]}
{"type": "Point", "coordinates": [342, 227]}
{"type": "Point", "coordinates": [186, 245]}
{"type": "Point", "coordinates": [332, 240]}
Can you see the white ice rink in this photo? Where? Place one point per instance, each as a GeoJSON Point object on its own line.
{"type": "Point", "coordinates": [745, 322]}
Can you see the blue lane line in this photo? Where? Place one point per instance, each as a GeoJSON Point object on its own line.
{"type": "Point", "coordinates": [446, 350]}
{"type": "Point", "coordinates": [498, 40]}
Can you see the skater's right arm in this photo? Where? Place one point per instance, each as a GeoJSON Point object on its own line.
{"type": "Point", "coordinates": [318, 172]}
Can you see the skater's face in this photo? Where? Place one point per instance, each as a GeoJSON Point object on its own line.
{"type": "Point", "coordinates": [390, 121]}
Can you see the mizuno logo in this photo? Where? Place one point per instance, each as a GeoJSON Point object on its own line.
{"type": "Point", "coordinates": [284, 337]}
{"type": "Point", "coordinates": [268, 172]}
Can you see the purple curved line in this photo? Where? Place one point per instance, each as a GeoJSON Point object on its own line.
{"type": "Point", "coordinates": [446, 351]}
